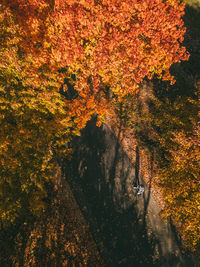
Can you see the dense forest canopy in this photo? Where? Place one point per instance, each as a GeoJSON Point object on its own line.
{"type": "Point", "coordinates": [114, 42]}
{"type": "Point", "coordinates": [93, 47]}
{"type": "Point", "coordinates": [102, 43]}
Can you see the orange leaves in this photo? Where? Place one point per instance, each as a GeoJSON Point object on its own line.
{"type": "Point", "coordinates": [59, 31]}
{"type": "Point", "coordinates": [81, 110]}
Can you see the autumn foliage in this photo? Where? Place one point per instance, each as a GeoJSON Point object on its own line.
{"type": "Point", "coordinates": [116, 43]}
{"type": "Point", "coordinates": [179, 180]}
{"type": "Point", "coordinates": [105, 44]}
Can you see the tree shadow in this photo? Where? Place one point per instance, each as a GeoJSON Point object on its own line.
{"type": "Point", "coordinates": [186, 73]}
{"type": "Point", "coordinates": [101, 177]}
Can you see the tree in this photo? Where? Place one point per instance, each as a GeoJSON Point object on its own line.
{"type": "Point", "coordinates": [180, 182]}
{"type": "Point", "coordinates": [113, 42]}
{"type": "Point", "coordinates": [103, 43]}
{"type": "Point", "coordinates": [34, 127]}
{"type": "Point", "coordinates": [176, 126]}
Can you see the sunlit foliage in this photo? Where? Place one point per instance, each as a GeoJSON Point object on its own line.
{"type": "Point", "coordinates": [103, 43]}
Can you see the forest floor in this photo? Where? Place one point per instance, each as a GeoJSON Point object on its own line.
{"type": "Point", "coordinates": [59, 237]}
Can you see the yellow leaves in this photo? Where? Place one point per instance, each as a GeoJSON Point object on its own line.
{"type": "Point", "coordinates": [103, 42]}
{"type": "Point", "coordinates": [31, 121]}
{"type": "Point", "coordinates": [180, 183]}
{"type": "Point", "coordinates": [8, 216]}
{"type": "Point", "coordinates": [47, 44]}
{"type": "Point", "coordinates": [36, 204]}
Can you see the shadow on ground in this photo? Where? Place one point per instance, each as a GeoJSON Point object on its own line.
{"type": "Point", "coordinates": [101, 177]}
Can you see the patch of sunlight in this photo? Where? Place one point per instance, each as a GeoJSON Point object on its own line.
{"type": "Point", "coordinates": [194, 3]}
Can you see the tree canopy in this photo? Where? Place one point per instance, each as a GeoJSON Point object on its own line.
{"type": "Point", "coordinates": [114, 42]}
{"type": "Point", "coordinates": [103, 43]}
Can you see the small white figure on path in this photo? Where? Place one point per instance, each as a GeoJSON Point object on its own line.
{"type": "Point", "coordinates": [139, 188]}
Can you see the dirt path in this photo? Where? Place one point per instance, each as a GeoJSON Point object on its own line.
{"type": "Point", "coordinates": [127, 228]}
